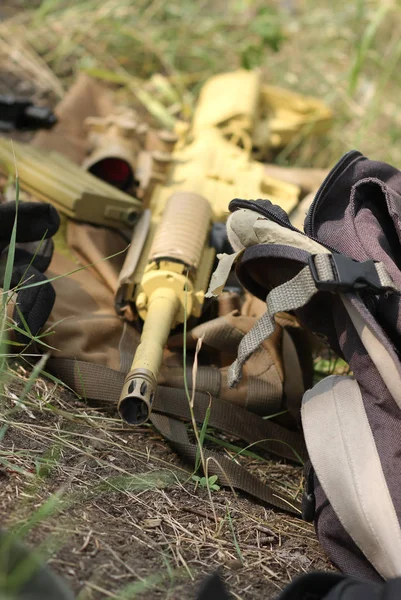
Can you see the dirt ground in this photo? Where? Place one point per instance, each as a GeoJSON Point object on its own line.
{"type": "Point", "coordinates": [129, 521]}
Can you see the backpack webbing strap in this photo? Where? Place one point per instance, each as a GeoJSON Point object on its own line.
{"type": "Point", "coordinates": [289, 296]}
{"type": "Point", "coordinates": [104, 384]}
{"type": "Point", "coordinates": [383, 356]}
{"type": "Point", "coordinates": [346, 461]}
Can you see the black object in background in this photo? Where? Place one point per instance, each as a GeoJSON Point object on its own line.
{"type": "Point", "coordinates": [313, 586]}
{"type": "Point", "coordinates": [23, 115]}
{"type": "Point", "coordinates": [36, 581]}
{"type": "Point", "coordinates": [333, 586]}
{"type": "Point", "coordinates": [37, 222]}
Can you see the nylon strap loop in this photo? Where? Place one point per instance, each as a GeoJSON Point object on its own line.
{"type": "Point", "coordinates": [291, 295]}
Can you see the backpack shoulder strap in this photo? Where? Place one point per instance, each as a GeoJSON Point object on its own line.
{"type": "Point", "coordinates": [346, 461]}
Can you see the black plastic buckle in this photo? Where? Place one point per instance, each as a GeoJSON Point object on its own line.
{"type": "Point", "coordinates": [350, 275]}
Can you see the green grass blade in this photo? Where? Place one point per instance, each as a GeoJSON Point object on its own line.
{"type": "Point", "coordinates": [235, 541]}
{"type": "Point", "coordinates": [11, 247]}
{"type": "Point", "coordinates": [52, 505]}
{"type": "Point", "coordinates": [50, 279]}
{"type": "Point", "coordinates": [202, 436]}
{"type": "Point", "coordinates": [364, 46]}
{"type": "Point", "coordinates": [36, 372]}
{"type": "Point", "coordinates": [233, 447]}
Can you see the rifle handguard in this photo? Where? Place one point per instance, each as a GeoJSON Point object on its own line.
{"type": "Point", "coordinates": [165, 297]}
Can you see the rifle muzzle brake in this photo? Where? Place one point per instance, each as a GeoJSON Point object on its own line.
{"type": "Point", "coordinates": [137, 396]}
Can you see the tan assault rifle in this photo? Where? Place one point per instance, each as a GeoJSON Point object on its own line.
{"type": "Point", "coordinates": [169, 264]}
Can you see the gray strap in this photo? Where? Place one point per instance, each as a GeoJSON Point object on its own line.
{"type": "Point", "coordinates": [382, 355]}
{"type": "Point", "coordinates": [384, 277]}
{"type": "Point", "coordinates": [289, 296]}
{"type": "Point", "coordinates": [293, 378]}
